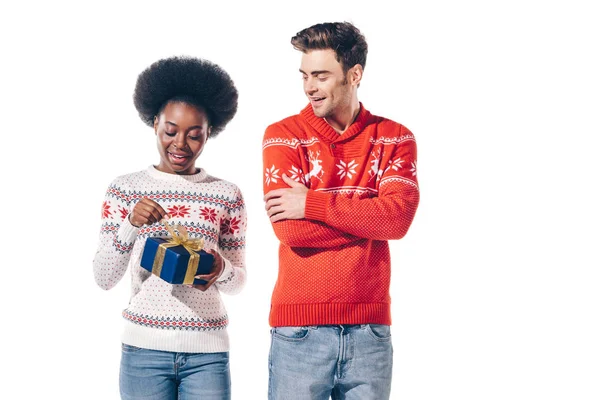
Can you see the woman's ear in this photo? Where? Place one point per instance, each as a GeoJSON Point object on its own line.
{"type": "Point", "coordinates": [155, 124]}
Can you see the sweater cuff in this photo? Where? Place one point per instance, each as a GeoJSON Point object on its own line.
{"type": "Point", "coordinates": [127, 233]}
{"type": "Point", "coordinates": [227, 271]}
{"type": "Point", "coordinates": [316, 205]}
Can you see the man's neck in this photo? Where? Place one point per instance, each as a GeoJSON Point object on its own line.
{"type": "Point", "coordinates": [342, 120]}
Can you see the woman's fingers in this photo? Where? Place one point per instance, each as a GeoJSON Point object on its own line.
{"type": "Point", "coordinates": [147, 212]}
{"type": "Point", "coordinates": [153, 208]}
{"type": "Point", "coordinates": [215, 273]}
{"type": "Point", "coordinates": [209, 281]}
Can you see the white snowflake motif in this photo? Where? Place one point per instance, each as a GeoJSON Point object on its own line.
{"type": "Point", "coordinates": [396, 164]}
{"type": "Point", "coordinates": [271, 175]}
{"type": "Point", "coordinates": [346, 169]}
{"type": "Point", "coordinates": [414, 168]}
{"type": "Point", "coordinates": [296, 174]}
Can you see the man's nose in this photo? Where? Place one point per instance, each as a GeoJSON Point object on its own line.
{"type": "Point", "coordinates": [309, 86]}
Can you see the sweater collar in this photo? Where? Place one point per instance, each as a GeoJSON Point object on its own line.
{"type": "Point", "coordinates": [194, 178]}
{"type": "Point", "coordinates": [325, 130]}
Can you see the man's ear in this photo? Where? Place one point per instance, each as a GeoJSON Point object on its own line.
{"type": "Point", "coordinates": [355, 74]}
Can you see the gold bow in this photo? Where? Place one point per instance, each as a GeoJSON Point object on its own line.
{"type": "Point", "coordinates": [179, 237]}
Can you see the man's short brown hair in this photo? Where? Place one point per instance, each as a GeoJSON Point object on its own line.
{"type": "Point", "coordinates": [344, 38]}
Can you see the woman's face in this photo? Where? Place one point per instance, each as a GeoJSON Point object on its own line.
{"type": "Point", "coordinates": [181, 132]}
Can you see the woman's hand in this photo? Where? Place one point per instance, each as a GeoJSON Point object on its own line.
{"type": "Point", "coordinates": [215, 273]}
{"type": "Point", "coordinates": [147, 212]}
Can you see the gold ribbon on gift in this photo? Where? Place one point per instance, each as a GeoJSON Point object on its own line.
{"type": "Point", "coordinates": [179, 237]}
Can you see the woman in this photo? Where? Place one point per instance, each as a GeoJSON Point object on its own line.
{"type": "Point", "coordinates": [175, 344]}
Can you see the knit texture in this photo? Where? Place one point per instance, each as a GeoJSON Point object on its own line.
{"type": "Point", "coordinates": [162, 316]}
{"type": "Point", "coordinates": [334, 265]}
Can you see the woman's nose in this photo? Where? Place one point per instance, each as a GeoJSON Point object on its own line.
{"type": "Point", "coordinates": [180, 141]}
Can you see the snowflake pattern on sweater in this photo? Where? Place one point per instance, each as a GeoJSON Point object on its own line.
{"type": "Point", "coordinates": [162, 316]}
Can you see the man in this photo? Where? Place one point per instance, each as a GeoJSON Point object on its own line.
{"type": "Point", "coordinates": [339, 183]}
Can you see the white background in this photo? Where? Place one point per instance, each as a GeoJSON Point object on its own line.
{"type": "Point", "coordinates": [495, 287]}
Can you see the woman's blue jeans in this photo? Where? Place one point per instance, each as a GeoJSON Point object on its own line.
{"type": "Point", "coordinates": [163, 375]}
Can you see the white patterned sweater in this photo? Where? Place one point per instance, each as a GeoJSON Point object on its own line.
{"type": "Point", "coordinates": [160, 315]}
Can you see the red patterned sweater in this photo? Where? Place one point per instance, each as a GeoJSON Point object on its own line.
{"type": "Point", "coordinates": [334, 265]}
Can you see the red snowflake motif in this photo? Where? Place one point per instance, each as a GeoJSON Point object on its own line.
{"type": "Point", "coordinates": [209, 214]}
{"type": "Point", "coordinates": [178, 211]}
{"type": "Point", "coordinates": [106, 210]}
{"type": "Point", "coordinates": [230, 225]}
{"type": "Point", "coordinates": [124, 213]}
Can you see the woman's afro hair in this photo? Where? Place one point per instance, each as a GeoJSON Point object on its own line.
{"type": "Point", "coordinates": [197, 81]}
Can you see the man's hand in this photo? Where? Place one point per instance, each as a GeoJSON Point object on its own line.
{"type": "Point", "coordinates": [215, 273]}
{"type": "Point", "coordinates": [286, 203]}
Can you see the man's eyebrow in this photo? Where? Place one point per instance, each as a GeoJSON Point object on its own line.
{"type": "Point", "coordinates": [315, 73]}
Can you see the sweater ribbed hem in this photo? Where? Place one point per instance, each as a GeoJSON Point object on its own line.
{"type": "Point", "coordinates": [316, 205]}
{"type": "Point", "coordinates": [330, 314]}
{"type": "Point", "coordinates": [180, 341]}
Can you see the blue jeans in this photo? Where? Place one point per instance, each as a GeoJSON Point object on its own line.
{"type": "Point", "coordinates": [164, 375]}
{"type": "Point", "coordinates": [351, 362]}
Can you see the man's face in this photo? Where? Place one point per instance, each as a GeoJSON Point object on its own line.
{"type": "Point", "coordinates": [325, 84]}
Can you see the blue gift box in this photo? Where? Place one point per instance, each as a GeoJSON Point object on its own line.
{"type": "Point", "coordinates": [175, 262]}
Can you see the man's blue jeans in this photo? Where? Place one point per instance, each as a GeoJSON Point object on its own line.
{"type": "Point", "coordinates": [351, 362]}
{"type": "Point", "coordinates": [163, 375]}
